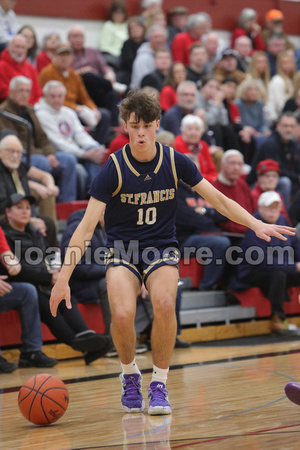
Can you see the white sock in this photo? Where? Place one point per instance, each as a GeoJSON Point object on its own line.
{"type": "Point", "coordinates": [159, 374]}
{"type": "Point", "coordinates": [128, 369]}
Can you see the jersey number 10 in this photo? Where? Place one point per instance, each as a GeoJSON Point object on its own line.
{"type": "Point", "coordinates": [148, 216]}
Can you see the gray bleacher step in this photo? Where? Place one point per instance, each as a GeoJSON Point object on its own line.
{"type": "Point", "coordinates": [186, 283]}
{"type": "Point", "coordinates": [224, 314]}
{"type": "Point", "coordinates": [202, 299]}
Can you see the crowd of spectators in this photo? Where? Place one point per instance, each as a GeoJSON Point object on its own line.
{"type": "Point", "coordinates": [234, 108]}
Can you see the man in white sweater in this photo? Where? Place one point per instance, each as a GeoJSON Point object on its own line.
{"type": "Point", "coordinates": [64, 129]}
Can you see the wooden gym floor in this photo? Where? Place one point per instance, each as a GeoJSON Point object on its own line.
{"type": "Point", "coordinates": [223, 397]}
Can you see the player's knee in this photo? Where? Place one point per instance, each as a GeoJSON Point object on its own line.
{"type": "Point", "coordinates": [123, 319]}
{"type": "Point", "coordinates": [164, 306]}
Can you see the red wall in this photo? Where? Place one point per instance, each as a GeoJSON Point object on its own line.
{"type": "Point", "coordinates": [224, 12]}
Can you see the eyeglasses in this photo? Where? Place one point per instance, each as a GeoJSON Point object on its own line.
{"type": "Point", "coordinates": [12, 151]}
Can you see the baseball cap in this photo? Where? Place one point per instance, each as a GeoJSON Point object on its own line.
{"type": "Point", "coordinates": [228, 52]}
{"type": "Point", "coordinates": [63, 48]}
{"type": "Point", "coordinates": [268, 197]}
{"type": "Point", "coordinates": [266, 165]}
{"type": "Point", "coordinates": [16, 198]}
{"type": "Point", "coordinates": [274, 14]}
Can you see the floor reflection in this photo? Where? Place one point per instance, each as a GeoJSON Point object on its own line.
{"type": "Point", "coordinates": [146, 432]}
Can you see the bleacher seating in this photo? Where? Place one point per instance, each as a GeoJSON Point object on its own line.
{"type": "Point", "coordinates": [10, 327]}
{"type": "Point", "coordinates": [255, 298]}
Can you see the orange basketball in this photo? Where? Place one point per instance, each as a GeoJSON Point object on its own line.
{"type": "Point", "coordinates": [43, 399]}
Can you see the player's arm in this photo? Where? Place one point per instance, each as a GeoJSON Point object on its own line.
{"type": "Point", "coordinates": [235, 212]}
{"type": "Point", "coordinates": [77, 246]}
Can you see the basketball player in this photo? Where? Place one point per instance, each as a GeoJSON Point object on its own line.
{"type": "Point", "coordinates": [137, 189]}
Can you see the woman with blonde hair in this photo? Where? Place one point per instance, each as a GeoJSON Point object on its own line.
{"type": "Point", "coordinates": [281, 86]}
{"type": "Point", "coordinates": [259, 70]}
{"type": "Point", "coordinates": [251, 108]}
{"type": "Point", "coordinates": [156, 17]}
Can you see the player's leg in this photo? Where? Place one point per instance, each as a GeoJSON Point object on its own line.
{"type": "Point", "coordinates": [162, 286]}
{"type": "Point", "coordinates": [122, 288]}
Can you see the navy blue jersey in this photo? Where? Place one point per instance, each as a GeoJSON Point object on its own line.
{"type": "Point", "coordinates": [141, 196]}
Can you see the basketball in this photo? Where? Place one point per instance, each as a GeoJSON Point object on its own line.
{"type": "Point", "coordinates": [43, 399]}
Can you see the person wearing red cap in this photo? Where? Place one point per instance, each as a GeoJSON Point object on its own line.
{"type": "Point", "coordinates": [274, 25]}
{"type": "Point", "coordinates": [267, 172]}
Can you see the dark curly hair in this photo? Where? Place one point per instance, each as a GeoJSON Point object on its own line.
{"type": "Point", "coordinates": [142, 105]}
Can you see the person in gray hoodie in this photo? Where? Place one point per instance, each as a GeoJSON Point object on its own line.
{"type": "Point", "coordinates": [144, 61]}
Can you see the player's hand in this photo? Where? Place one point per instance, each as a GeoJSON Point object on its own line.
{"type": "Point", "coordinates": [60, 291]}
{"type": "Point", "coordinates": [266, 230]}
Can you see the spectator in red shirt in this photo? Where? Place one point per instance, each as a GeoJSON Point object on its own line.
{"type": "Point", "coordinates": [248, 26]}
{"type": "Point", "coordinates": [118, 141]}
{"type": "Point", "coordinates": [13, 63]}
{"type": "Point", "coordinates": [196, 27]}
{"type": "Point", "coordinates": [231, 183]}
{"type": "Point", "coordinates": [192, 129]}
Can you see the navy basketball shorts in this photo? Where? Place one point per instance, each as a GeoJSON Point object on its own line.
{"type": "Point", "coordinates": [144, 261]}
